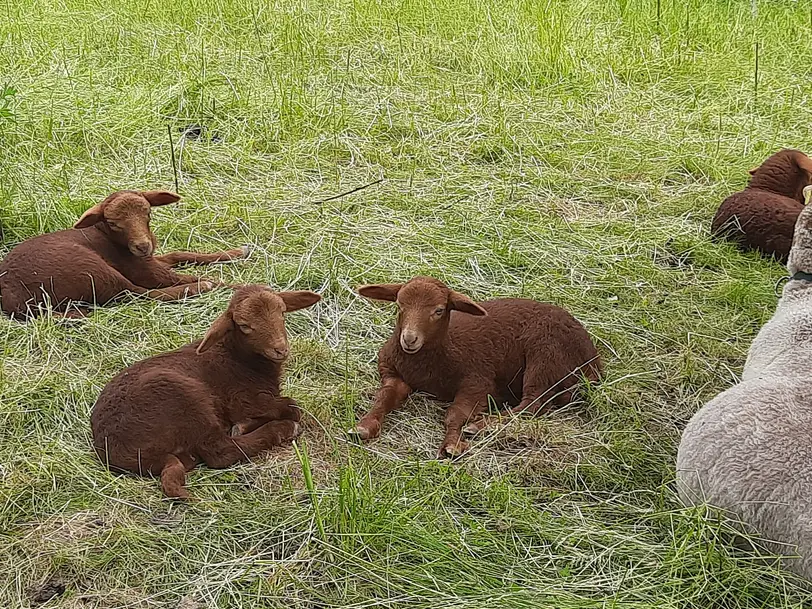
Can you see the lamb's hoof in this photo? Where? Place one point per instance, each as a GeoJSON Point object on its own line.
{"type": "Point", "coordinates": [452, 450]}
{"type": "Point", "coordinates": [182, 496]}
{"type": "Point", "coordinates": [71, 314]}
{"type": "Point", "coordinates": [236, 430]}
{"type": "Point", "coordinates": [246, 250]}
{"type": "Point", "coordinates": [359, 433]}
{"type": "Point", "coordinates": [297, 430]}
{"type": "Point", "coordinates": [207, 286]}
{"type": "Point", "coordinates": [473, 429]}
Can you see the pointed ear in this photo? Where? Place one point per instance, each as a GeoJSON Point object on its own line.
{"type": "Point", "coordinates": [752, 171]}
{"type": "Point", "coordinates": [463, 304]}
{"type": "Point", "coordinates": [298, 300]}
{"type": "Point", "coordinates": [92, 216]}
{"type": "Point", "coordinates": [160, 197]}
{"type": "Point", "coordinates": [218, 330]}
{"type": "Point", "coordinates": [382, 291]}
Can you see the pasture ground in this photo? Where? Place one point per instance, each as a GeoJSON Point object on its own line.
{"type": "Point", "coordinates": [572, 151]}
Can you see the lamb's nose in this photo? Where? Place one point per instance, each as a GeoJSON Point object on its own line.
{"type": "Point", "coordinates": [281, 352]}
{"type": "Point", "coordinates": [143, 248]}
{"type": "Point", "coordinates": [410, 340]}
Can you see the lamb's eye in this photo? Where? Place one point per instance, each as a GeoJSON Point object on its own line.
{"type": "Point", "coordinates": [245, 328]}
{"type": "Point", "coordinates": [439, 311]}
{"type": "Point", "coordinates": [112, 225]}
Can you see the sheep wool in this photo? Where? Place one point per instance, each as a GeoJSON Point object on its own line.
{"type": "Point", "coordinates": [748, 451]}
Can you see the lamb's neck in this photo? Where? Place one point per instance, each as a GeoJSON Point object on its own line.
{"type": "Point", "coordinates": [101, 234]}
{"type": "Point", "coordinates": [250, 361]}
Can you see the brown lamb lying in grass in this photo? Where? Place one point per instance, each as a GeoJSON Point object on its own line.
{"type": "Point", "coordinates": [521, 352]}
{"type": "Point", "coordinates": [762, 216]}
{"type": "Point", "coordinates": [215, 401]}
{"type": "Point", "coordinates": [107, 253]}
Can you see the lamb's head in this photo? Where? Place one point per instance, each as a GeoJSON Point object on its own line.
{"type": "Point", "coordinates": [124, 216]}
{"type": "Point", "coordinates": [254, 321]}
{"type": "Point", "coordinates": [424, 309]}
{"type": "Point", "coordinates": [800, 256]}
{"type": "Point", "coordinates": [787, 173]}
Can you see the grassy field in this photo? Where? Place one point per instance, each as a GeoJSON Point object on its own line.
{"type": "Point", "coordinates": [571, 151]}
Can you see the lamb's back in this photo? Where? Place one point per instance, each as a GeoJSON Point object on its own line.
{"type": "Point", "coordinates": [515, 322]}
{"type": "Point", "coordinates": [140, 391]}
{"type": "Point", "coordinates": [44, 252]}
{"type": "Point", "coordinates": [758, 219]}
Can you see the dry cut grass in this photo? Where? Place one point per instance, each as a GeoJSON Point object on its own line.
{"type": "Point", "coordinates": [569, 151]}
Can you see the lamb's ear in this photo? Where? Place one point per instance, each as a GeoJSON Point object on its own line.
{"type": "Point", "coordinates": [804, 162]}
{"type": "Point", "coordinates": [218, 330]}
{"type": "Point", "coordinates": [92, 216]}
{"type": "Point", "coordinates": [298, 300]}
{"type": "Point", "coordinates": [463, 304]}
{"type": "Point", "coordinates": [382, 291]}
{"type": "Point", "coordinates": [160, 197]}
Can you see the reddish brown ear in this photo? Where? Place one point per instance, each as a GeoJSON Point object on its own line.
{"type": "Point", "coordinates": [298, 300]}
{"type": "Point", "coordinates": [463, 304]}
{"type": "Point", "coordinates": [218, 330]}
{"type": "Point", "coordinates": [804, 162]}
{"type": "Point", "coordinates": [160, 197]}
{"type": "Point", "coordinates": [382, 291]}
{"type": "Point", "coordinates": [92, 216]}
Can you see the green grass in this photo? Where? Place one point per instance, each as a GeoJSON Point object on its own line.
{"type": "Point", "coordinates": [572, 151]}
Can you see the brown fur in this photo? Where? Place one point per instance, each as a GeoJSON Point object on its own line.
{"type": "Point", "coordinates": [108, 252]}
{"type": "Point", "coordinates": [520, 352]}
{"type": "Point", "coordinates": [216, 401]}
{"type": "Point", "coordinates": [762, 216]}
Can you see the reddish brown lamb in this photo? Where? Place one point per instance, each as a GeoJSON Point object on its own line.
{"type": "Point", "coordinates": [216, 401]}
{"type": "Point", "coordinates": [762, 216]}
{"type": "Point", "coordinates": [528, 354]}
{"type": "Point", "coordinates": [107, 253]}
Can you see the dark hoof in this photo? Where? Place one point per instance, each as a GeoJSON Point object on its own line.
{"type": "Point", "coordinates": [452, 450]}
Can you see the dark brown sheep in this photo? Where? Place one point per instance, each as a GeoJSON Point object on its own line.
{"type": "Point", "coordinates": [762, 216]}
{"type": "Point", "coordinates": [517, 351]}
{"type": "Point", "coordinates": [216, 401]}
{"type": "Point", "coordinates": [107, 253]}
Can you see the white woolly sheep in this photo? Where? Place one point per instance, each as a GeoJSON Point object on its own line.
{"type": "Point", "coordinates": [748, 451]}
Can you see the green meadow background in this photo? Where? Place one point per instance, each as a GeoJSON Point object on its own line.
{"type": "Point", "coordinates": [572, 151]}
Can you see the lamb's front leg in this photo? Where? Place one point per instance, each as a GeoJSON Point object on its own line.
{"type": "Point", "coordinates": [153, 274]}
{"type": "Point", "coordinates": [469, 403]}
{"type": "Point", "coordinates": [176, 258]}
{"type": "Point", "coordinates": [222, 451]}
{"type": "Point", "coordinates": [390, 396]}
{"type": "Point", "coordinates": [263, 411]}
